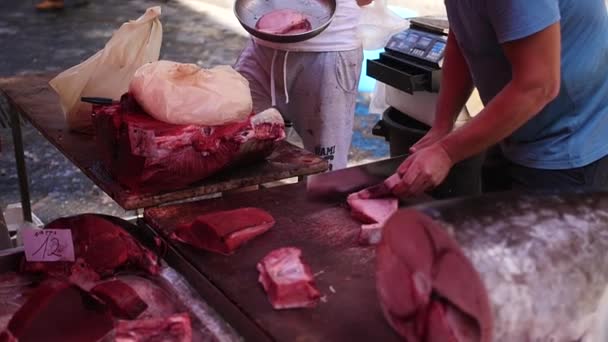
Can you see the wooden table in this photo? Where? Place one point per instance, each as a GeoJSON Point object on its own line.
{"type": "Point", "coordinates": [327, 236]}
{"type": "Point", "coordinates": [31, 97]}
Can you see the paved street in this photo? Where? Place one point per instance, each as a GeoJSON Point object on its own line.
{"type": "Point", "coordinates": [195, 31]}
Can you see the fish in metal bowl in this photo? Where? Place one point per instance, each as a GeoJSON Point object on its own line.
{"type": "Point", "coordinates": [283, 21]}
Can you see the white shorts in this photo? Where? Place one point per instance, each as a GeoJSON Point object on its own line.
{"type": "Point", "coordinates": [322, 91]}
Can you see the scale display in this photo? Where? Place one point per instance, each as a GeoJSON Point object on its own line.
{"type": "Point", "coordinates": [425, 45]}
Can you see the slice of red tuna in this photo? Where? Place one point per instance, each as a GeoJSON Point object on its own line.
{"type": "Point", "coordinates": [283, 21]}
{"type": "Point", "coordinates": [287, 280]}
{"type": "Point", "coordinates": [6, 336]}
{"type": "Point", "coordinates": [224, 231]}
{"type": "Point", "coordinates": [122, 300]}
{"type": "Point", "coordinates": [160, 301]}
{"type": "Point", "coordinates": [373, 210]}
{"type": "Point", "coordinates": [175, 328]}
{"type": "Point", "coordinates": [58, 311]}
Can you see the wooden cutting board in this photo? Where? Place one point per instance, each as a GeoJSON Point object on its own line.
{"type": "Point", "coordinates": [327, 236]}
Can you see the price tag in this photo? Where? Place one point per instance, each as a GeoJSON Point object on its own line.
{"type": "Point", "coordinates": [48, 244]}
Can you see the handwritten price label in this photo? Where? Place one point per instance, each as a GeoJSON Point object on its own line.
{"type": "Point", "coordinates": [48, 244]}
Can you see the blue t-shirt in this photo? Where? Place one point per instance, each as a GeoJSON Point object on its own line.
{"type": "Point", "coordinates": [572, 130]}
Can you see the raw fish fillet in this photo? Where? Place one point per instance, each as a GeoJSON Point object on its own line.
{"type": "Point", "coordinates": [288, 282]}
{"type": "Point", "coordinates": [283, 21]}
{"type": "Point", "coordinates": [224, 231]}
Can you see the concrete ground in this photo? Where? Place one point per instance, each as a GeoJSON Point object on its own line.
{"type": "Point", "coordinates": [196, 31]}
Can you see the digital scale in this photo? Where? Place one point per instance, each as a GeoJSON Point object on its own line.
{"type": "Point", "coordinates": [412, 59]}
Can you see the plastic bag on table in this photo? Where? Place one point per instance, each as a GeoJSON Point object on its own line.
{"type": "Point", "coordinates": [377, 24]}
{"type": "Point", "coordinates": [109, 72]}
{"type": "Point", "coordinates": [185, 94]}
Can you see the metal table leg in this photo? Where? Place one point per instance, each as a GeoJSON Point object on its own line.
{"type": "Point", "coordinates": [21, 170]}
{"type": "Point", "coordinates": [5, 239]}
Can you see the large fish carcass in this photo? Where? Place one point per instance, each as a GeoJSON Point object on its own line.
{"type": "Point", "coordinates": [502, 267]}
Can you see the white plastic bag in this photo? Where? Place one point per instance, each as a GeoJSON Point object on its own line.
{"type": "Point", "coordinates": [377, 24]}
{"type": "Point", "coordinates": [377, 103]}
{"type": "Point", "coordinates": [185, 94]}
{"type": "Point", "coordinates": [109, 71]}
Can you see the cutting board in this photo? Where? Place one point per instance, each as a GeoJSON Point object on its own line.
{"type": "Point", "coordinates": [327, 236]}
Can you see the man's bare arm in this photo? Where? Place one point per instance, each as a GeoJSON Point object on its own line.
{"type": "Point", "coordinates": [535, 67]}
{"type": "Point", "coordinates": [456, 86]}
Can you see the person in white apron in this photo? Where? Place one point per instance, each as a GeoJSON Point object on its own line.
{"type": "Point", "coordinates": [312, 83]}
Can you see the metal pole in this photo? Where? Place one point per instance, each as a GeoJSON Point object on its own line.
{"type": "Point", "coordinates": [21, 170]}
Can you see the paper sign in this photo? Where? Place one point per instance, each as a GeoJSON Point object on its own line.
{"type": "Point", "coordinates": [48, 244]}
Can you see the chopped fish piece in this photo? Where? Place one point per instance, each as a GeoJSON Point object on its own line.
{"type": "Point", "coordinates": [122, 300]}
{"type": "Point", "coordinates": [224, 231]}
{"type": "Point", "coordinates": [283, 21]}
{"type": "Point", "coordinates": [370, 234]}
{"type": "Point", "coordinates": [58, 311]}
{"type": "Point", "coordinates": [288, 282]}
{"type": "Point", "coordinates": [373, 210]}
{"type": "Point", "coordinates": [176, 328]}
{"type": "Point", "coordinates": [6, 336]}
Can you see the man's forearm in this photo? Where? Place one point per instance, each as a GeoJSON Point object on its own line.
{"type": "Point", "coordinates": [508, 111]}
{"type": "Point", "coordinates": [535, 81]}
{"type": "Point", "coordinates": [456, 86]}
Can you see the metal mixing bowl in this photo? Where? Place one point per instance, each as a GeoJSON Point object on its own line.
{"type": "Point", "coordinates": [320, 13]}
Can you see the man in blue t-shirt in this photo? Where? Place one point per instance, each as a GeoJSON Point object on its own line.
{"type": "Point", "coordinates": [541, 68]}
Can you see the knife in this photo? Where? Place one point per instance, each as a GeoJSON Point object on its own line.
{"type": "Point", "coordinates": [382, 189]}
{"type": "Point", "coordinates": [98, 100]}
{"type": "Point", "coordinates": [331, 185]}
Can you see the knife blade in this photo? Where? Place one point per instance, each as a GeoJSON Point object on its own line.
{"type": "Point", "coordinates": [382, 189]}
{"type": "Point", "coordinates": [342, 182]}
{"type": "Point", "coordinates": [98, 100]}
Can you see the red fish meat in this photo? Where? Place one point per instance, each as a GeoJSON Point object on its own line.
{"type": "Point", "coordinates": [175, 328]}
{"type": "Point", "coordinates": [100, 247]}
{"type": "Point", "coordinates": [287, 280]}
{"type": "Point", "coordinates": [58, 311]}
{"type": "Point", "coordinates": [122, 300]}
{"type": "Point", "coordinates": [283, 21]}
{"type": "Point", "coordinates": [145, 154]}
{"type": "Point", "coordinates": [372, 211]}
{"type": "Point", "coordinates": [224, 231]}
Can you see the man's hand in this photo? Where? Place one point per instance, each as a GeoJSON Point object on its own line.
{"type": "Point", "coordinates": [423, 170]}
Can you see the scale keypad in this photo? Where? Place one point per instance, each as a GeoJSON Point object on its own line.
{"type": "Point", "coordinates": [425, 45]}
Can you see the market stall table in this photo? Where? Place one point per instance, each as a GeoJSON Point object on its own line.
{"type": "Point", "coordinates": [31, 97]}
{"type": "Point", "coordinates": [327, 236]}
